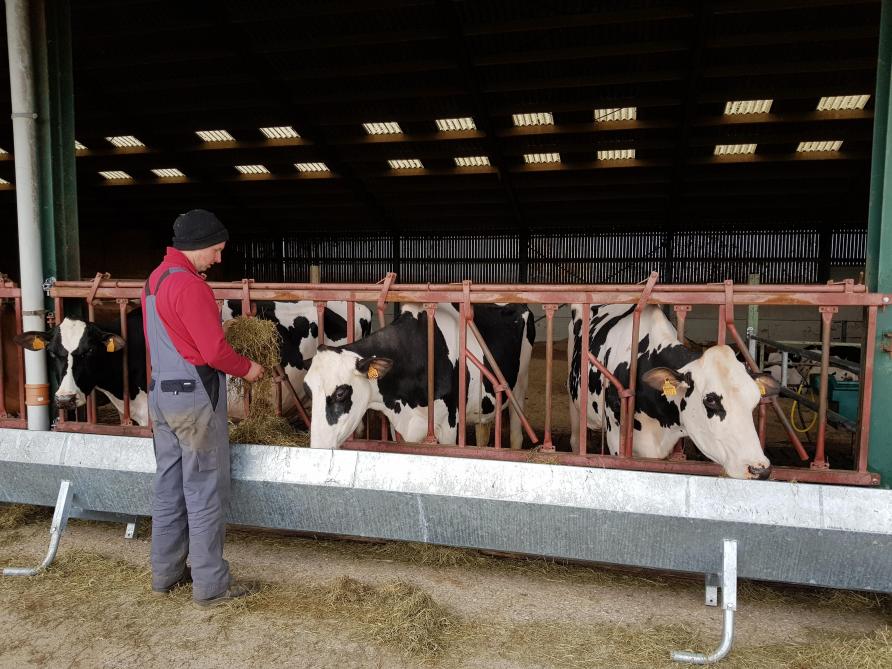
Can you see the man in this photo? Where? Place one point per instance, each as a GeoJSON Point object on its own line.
{"type": "Point", "coordinates": [187, 404]}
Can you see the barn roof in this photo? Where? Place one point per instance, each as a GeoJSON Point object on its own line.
{"type": "Point", "coordinates": [447, 115]}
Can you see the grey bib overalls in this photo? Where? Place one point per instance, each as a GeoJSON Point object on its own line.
{"type": "Point", "coordinates": [187, 405]}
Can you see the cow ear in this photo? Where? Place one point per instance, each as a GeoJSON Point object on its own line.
{"type": "Point", "coordinates": [33, 340]}
{"type": "Point", "coordinates": [113, 343]}
{"type": "Point", "coordinates": [667, 381]}
{"type": "Point", "coordinates": [768, 385]}
{"type": "Point", "coordinates": [374, 367]}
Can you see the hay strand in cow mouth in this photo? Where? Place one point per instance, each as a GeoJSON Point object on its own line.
{"type": "Point", "coordinates": [259, 340]}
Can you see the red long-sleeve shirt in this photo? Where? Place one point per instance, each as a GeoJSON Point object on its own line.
{"type": "Point", "coordinates": [188, 310]}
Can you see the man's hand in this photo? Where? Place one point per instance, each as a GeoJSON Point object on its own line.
{"type": "Point", "coordinates": [254, 374]}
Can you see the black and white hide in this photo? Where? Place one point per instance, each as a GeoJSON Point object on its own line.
{"type": "Point", "coordinates": [387, 372]}
{"type": "Point", "coordinates": [707, 396]}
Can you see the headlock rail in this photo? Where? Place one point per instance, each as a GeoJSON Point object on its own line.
{"type": "Point", "coordinates": [825, 299]}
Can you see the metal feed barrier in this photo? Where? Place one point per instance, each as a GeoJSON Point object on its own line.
{"type": "Point", "coordinates": [672, 515]}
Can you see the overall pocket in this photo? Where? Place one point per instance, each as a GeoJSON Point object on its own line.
{"type": "Point", "coordinates": [176, 401]}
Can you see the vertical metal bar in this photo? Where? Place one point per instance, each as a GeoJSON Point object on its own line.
{"type": "Point", "coordinates": [785, 362]}
{"type": "Point", "coordinates": [19, 328]}
{"type": "Point", "coordinates": [763, 423]}
{"type": "Point", "coordinates": [351, 321]}
{"type": "Point", "coordinates": [91, 399]}
{"type": "Point", "coordinates": [681, 314]}
{"type": "Point", "coordinates": [465, 314]}
{"type": "Point", "coordinates": [866, 389]}
{"type": "Point", "coordinates": [498, 425]}
{"type": "Point", "coordinates": [320, 321]}
{"type": "Point", "coordinates": [826, 322]}
{"type": "Point", "coordinates": [431, 309]}
{"type": "Point", "coordinates": [122, 310]}
{"type": "Point", "coordinates": [720, 335]}
{"type": "Point", "coordinates": [3, 412]}
{"type": "Point", "coordinates": [142, 305]}
{"type": "Point", "coordinates": [550, 309]}
{"type": "Point", "coordinates": [583, 377]}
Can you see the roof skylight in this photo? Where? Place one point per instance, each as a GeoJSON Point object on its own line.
{"type": "Point", "coordinates": [464, 123]}
{"type": "Point", "coordinates": [252, 169]}
{"type": "Point", "coordinates": [279, 132]}
{"type": "Point", "coordinates": [312, 167]}
{"type": "Point", "coordinates": [167, 172]}
{"type": "Point", "coordinates": [472, 161]}
{"type": "Point", "coordinates": [616, 154]}
{"type": "Point", "coordinates": [383, 128]}
{"type": "Point", "coordinates": [538, 118]}
{"type": "Point", "coordinates": [733, 149]}
{"type": "Point", "coordinates": [616, 114]}
{"type": "Point", "coordinates": [839, 102]}
{"type": "Point", "coordinates": [78, 146]}
{"type": "Point", "coordinates": [405, 164]}
{"type": "Point", "coordinates": [536, 158]}
{"type": "Point", "coordinates": [215, 135]}
{"type": "Point", "coordinates": [748, 106]}
{"type": "Point", "coordinates": [115, 174]}
{"type": "Point", "coordinates": [122, 141]}
{"type": "Point", "coordinates": [825, 145]}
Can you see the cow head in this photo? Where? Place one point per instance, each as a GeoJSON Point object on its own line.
{"type": "Point", "coordinates": [342, 384]}
{"type": "Point", "coordinates": [78, 351]}
{"type": "Point", "coordinates": [716, 396]}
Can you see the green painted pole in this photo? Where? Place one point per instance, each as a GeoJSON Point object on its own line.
{"type": "Point", "coordinates": [878, 270]}
{"type": "Point", "coordinates": [51, 23]}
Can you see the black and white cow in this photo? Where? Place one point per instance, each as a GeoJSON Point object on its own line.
{"type": "Point", "coordinates": [298, 327]}
{"type": "Point", "coordinates": [85, 356]}
{"type": "Point", "coordinates": [706, 396]}
{"type": "Point", "coordinates": [387, 371]}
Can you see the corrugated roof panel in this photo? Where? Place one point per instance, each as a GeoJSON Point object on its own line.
{"type": "Point", "coordinates": [537, 158]}
{"type": "Point", "coordinates": [536, 118]}
{"type": "Point", "coordinates": [840, 102]}
{"type": "Point", "coordinates": [405, 164]}
{"type": "Point", "coordinates": [471, 161]}
{"type": "Point", "coordinates": [733, 149]}
{"type": "Point", "coordinates": [383, 128]}
{"type": "Point", "coordinates": [464, 123]}
{"type": "Point", "coordinates": [124, 141]}
{"type": "Point", "coordinates": [822, 145]}
{"type": "Point", "coordinates": [616, 154]}
{"type": "Point", "coordinates": [252, 169]}
{"type": "Point", "coordinates": [215, 135]}
{"type": "Point", "coordinates": [115, 174]}
{"type": "Point", "coordinates": [616, 114]}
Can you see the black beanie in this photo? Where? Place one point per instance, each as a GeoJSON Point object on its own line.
{"type": "Point", "coordinates": [198, 229]}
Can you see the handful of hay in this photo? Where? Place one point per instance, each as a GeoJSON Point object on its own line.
{"type": "Point", "coordinates": [259, 340]}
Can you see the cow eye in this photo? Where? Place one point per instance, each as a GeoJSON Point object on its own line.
{"type": "Point", "coordinates": [340, 394]}
{"type": "Point", "coordinates": [711, 401]}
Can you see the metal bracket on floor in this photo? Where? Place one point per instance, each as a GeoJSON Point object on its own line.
{"type": "Point", "coordinates": [728, 579]}
{"type": "Point", "coordinates": [60, 520]}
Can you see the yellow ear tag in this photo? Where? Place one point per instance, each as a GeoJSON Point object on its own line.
{"type": "Point", "coordinates": [110, 346]}
{"type": "Point", "coordinates": [668, 389]}
{"type": "Point", "coordinates": [761, 388]}
{"type": "Point", "coordinates": [38, 344]}
{"type": "Point", "coordinates": [372, 373]}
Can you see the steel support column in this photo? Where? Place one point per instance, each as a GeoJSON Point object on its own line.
{"type": "Point", "coordinates": [879, 253]}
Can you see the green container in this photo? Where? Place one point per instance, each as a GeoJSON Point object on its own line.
{"type": "Point", "coordinates": [842, 394]}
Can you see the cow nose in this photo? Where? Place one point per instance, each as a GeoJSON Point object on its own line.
{"type": "Point", "coordinates": [760, 473]}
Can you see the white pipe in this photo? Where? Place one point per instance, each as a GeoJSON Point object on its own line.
{"type": "Point", "coordinates": [24, 128]}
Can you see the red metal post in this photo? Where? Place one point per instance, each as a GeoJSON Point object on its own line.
{"type": "Point", "coordinates": [320, 320]}
{"type": "Point", "coordinates": [431, 309]}
{"type": "Point", "coordinates": [627, 427]}
{"type": "Point", "coordinates": [498, 426]}
{"type": "Point", "coordinates": [125, 377]}
{"type": "Point", "coordinates": [550, 310]}
{"type": "Point", "coordinates": [465, 314]}
{"type": "Point", "coordinates": [91, 316]}
{"type": "Point", "coordinates": [681, 314]}
{"type": "Point", "coordinates": [19, 328]}
{"type": "Point", "coordinates": [763, 423]}
{"type": "Point", "coordinates": [820, 462]}
{"type": "Point", "coordinates": [582, 393]}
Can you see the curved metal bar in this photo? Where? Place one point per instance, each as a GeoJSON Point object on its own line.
{"type": "Point", "coordinates": [60, 520]}
{"type": "Point", "coordinates": [729, 604]}
{"type": "Point", "coordinates": [719, 653]}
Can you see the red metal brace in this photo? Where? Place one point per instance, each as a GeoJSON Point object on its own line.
{"type": "Point", "coordinates": [246, 297]}
{"type": "Point", "coordinates": [633, 364]}
{"type": "Point", "coordinates": [550, 309]}
{"type": "Point", "coordinates": [431, 309]}
{"type": "Point", "coordinates": [386, 283]}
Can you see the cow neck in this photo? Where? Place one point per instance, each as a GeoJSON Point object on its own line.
{"type": "Point", "coordinates": [385, 343]}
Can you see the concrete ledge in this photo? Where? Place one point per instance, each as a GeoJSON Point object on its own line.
{"type": "Point", "coordinates": [812, 534]}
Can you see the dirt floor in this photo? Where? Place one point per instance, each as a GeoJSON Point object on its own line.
{"type": "Point", "coordinates": [348, 604]}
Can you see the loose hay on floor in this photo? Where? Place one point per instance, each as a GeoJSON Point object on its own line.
{"type": "Point", "coordinates": [17, 515]}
